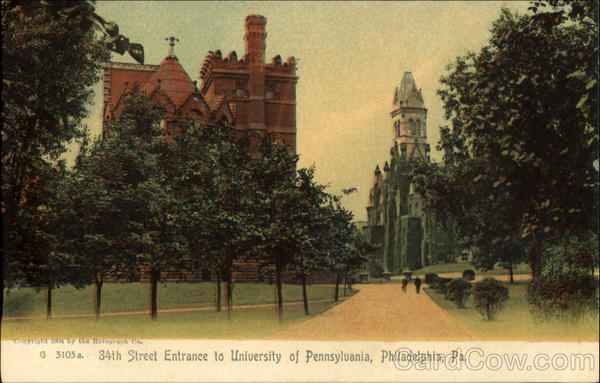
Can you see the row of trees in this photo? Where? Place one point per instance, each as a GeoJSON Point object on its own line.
{"type": "Point", "coordinates": [135, 199]}
{"type": "Point", "coordinates": [520, 166]}
{"type": "Point", "coordinates": [139, 201]}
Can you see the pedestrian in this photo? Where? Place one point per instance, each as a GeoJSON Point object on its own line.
{"type": "Point", "coordinates": [404, 284]}
{"type": "Point", "coordinates": [418, 284]}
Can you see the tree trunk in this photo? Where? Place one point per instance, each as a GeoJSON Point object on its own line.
{"type": "Point", "coordinates": [345, 286]}
{"type": "Point", "coordinates": [228, 293]}
{"type": "Point", "coordinates": [304, 295]}
{"type": "Point", "coordinates": [49, 300]}
{"type": "Point", "coordinates": [154, 277]}
{"type": "Point", "coordinates": [511, 273]}
{"type": "Point", "coordinates": [97, 296]}
{"type": "Point", "coordinates": [278, 273]}
{"type": "Point", "coordinates": [535, 256]}
{"type": "Point", "coordinates": [336, 292]}
{"type": "Point", "coordinates": [218, 293]}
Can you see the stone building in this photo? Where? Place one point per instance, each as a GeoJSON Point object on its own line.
{"type": "Point", "coordinates": [255, 97]}
{"type": "Point", "coordinates": [396, 219]}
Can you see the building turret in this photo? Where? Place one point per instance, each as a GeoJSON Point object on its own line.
{"type": "Point", "coordinates": [386, 167]}
{"type": "Point", "coordinates": [261, 94]}
{"type": "Point", "coordinates": [409, 118]}
{"type": "Point", "coordinates": [376, 174]}
{"type": "Point", "coordinates": [255, 50]}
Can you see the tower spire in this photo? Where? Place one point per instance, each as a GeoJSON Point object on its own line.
{"type": "Point", "coordinates": [409, 119]}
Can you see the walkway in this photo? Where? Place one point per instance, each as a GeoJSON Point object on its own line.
{"type": "Point", "coordinates": [380, 312]}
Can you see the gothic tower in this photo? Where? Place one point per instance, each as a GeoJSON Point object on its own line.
{"type": "Point", "coordinates": [397, 220]}
{"type": "Point", "coordinates": [409, 119]}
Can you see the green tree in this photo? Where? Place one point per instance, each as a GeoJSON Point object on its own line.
{"type": "Point", "coordinates": [520, 153]}
{"type": "Point", "coordinates": [95, 225]}
{"type": "Point", "coordinates": [43, 262]}
{"type": "Point", "coordinates": [343, 250]}
{"type": "Point", "coordinates": [276, 206]}
{"type": "Point", "coordinates": [50, 61]}
{"type": "Point", "coordinates": [507, 253]}
{"type": "Point", "coordinates": [140, 156]}
{"type": "Point", "coordinates": [310, 223]}
{"type": "Point", "coordinates": [213, 183]}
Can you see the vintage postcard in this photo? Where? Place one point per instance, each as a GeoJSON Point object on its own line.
{"type": "Point", "coordinates": [300, 191]}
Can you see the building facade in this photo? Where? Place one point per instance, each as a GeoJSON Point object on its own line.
{"type": "Point", "coordinates": [396, 218]}
{"type": "Point", "coordinates": [255, 97]}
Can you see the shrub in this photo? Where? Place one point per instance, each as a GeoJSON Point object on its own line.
{"type": "Point", "coordinates": [566, 288]}
{"type": "Point", "coordinates": [565, 296]}
{"type": "Point", "coordinates": [458, 290]}
{"type": "Point", "coordinates": [468, 275]}
{"type": "Point", "coordinates": [440, 284]}
{"type": "Point", "coordinates": [429, 278]}
{"type": "Point", "coordinates": [407, 275]}
{"type": "Point", "coordinates": [489, 296]}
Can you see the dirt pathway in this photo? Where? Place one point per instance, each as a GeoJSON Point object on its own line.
{"type": "Point", "coordinates": [380, 312]}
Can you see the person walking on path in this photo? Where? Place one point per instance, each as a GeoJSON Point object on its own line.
{"type": "Point", "coordinates": [404, 284]}
{"type": "Point", "coordinates": [418, 284]}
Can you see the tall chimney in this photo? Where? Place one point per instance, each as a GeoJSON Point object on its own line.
{"type": "Point", "coordinates": [255, 49]}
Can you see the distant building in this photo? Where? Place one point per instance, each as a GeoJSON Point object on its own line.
{"type": "Point", "coordinates": [396, 218]}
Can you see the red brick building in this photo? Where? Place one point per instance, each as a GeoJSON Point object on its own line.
{"type": "Point", "coordinates": [255, 97]}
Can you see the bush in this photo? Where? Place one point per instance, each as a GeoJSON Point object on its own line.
{"type": "Point", "coordinates": [567, 288]}
{"type": "Point", "coordinates": [489, 296]}
{"type": "Point", "coordinates": [408, 275]}
{"type": "Point", "coordinates": [440, 284]}
{"type": "Point", "coordinates": [429, 278]}
{"type": "Point", "coordinates": [468, 275]}
{"type": "Point", "coordinates": [458, 290]}
{"type": "Point", "coordinates": [566, 296]}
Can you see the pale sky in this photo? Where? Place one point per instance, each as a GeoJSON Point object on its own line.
{"type": "Point", "coordinates": [351, 56]}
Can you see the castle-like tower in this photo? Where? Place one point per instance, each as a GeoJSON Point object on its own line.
{"type": "Point", "coordinates": [262, 95]}
{"type": "Point", "coordinates": [253, 96]}
{"type": "Point", "coordinates": [396, 219]}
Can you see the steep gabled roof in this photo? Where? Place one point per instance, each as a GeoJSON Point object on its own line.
{"type": "Point", "coordinates": [172, 80]}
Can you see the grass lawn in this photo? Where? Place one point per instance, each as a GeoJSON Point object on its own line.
{"type": "Point", "coordinates": [515, 323]}
{"type": "Point", "coordinates": [118, 297]}
{"type": "Point", "coordinates": [439, 268]}
{"type": "Point", "coordinates": [248, 323]}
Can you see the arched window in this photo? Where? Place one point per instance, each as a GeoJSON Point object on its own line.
{"type": "Point", "coordinates": [397, 128]}
{"type": "Point", "coordinates": [411, 127]}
